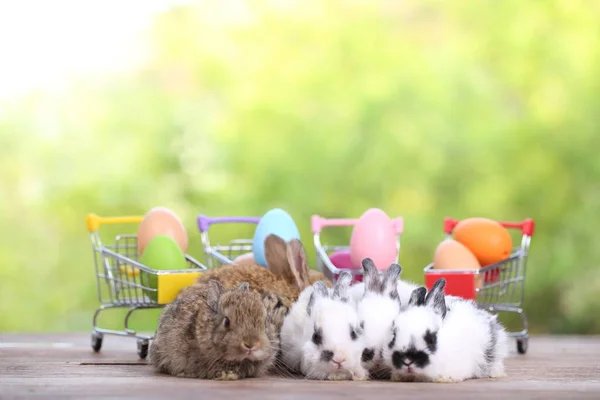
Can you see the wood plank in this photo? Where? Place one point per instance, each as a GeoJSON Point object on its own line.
{"type": "Point", "coordinates": [31, 366]}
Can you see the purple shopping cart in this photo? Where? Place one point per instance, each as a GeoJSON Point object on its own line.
{"type": "Point", "coordinates": [219, 254]}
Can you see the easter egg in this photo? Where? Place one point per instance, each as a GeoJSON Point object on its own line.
{"type": "Point", "coordinates": [373, 236]}
{"type": "Point", "coordinates": [161, 253]}
{"type": "Point", "coordinates": [489, 241]}
{"type": "Point", "coordinates": [277, 222]}
{"type": "Point", "coordinates": [161, 221]}
{"type": "Point", "coordinates": [245, 259]}
{"type": "Point", "coordinates": [453, 255]}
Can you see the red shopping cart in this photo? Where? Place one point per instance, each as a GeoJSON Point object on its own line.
{"type": "Point", "coordinates": [502, 285]}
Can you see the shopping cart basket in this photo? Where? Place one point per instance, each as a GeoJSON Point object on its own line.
{"type": "Point", "coordinates": [218, 254]}
{"type": "Point", "coordinates": [325, 252]}
{"type": "Point", "coordinates": [502, 285]}
{"type": "Point", "coordinates": [122, 282]}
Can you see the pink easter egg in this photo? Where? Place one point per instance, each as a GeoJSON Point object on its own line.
{"type": "Point", "coordinates": [374, 237]}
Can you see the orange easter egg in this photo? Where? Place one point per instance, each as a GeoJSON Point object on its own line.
{"type": "Point", "coordinates": [489, 241]}
{"type": "Point", "coordinates": [452, 255]}
{"type": "Point", "coordinates": [161, 221]}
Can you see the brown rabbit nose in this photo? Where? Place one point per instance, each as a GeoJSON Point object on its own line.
{"type": "Point", "coordinates": [249, 347]}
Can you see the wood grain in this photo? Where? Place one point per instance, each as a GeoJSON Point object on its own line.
{"type": "Point", "coordinates": [31, 366]}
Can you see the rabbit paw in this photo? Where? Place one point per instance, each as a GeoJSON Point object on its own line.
{"type": "Point", "coordinates": [227, 376]}
{"type": "Point", "coordinates": [400, 377]}
{"type": "Point", "coordinates": [447, 380]}
{"type": "Point", "coordinates": [338, 376]}
{"type": "Point", "coordinates": [498, 371]}
{"type": "Point", "coordinates": [360, 374]}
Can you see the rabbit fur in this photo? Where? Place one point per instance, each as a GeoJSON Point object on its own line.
{"type": "Point", "coordinates": [405, 289]}
{"type": "Point", "coordinates": [377, 308]}
{"type": "Point", "coordinates": [211, 332]}
{"type": "Point", "coordinates": [321, 335]}
{"type": "Point", "coordinates": [445, 339]}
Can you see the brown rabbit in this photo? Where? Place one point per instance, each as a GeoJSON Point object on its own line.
{"type": "Point", "coordinates": [286, 275]}
{"type": "Point", "coordinates": [211, 332]}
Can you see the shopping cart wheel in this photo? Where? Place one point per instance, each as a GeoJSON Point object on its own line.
{"type": "Point", "coordinates": [96, 341]}
{"type": "Point", "coordinates": [142, 346]}
{"type": "Point", "coordinates": [522, 345]}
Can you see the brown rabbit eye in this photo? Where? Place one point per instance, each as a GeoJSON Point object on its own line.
{"type": "Point", "coordinates": [226, 322]}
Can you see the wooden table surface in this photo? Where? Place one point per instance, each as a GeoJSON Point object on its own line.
{"type": "Point", "coordinates": [62, 366]}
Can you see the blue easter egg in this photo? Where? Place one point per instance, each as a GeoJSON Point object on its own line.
{"type": "Point", "coordinates": [275, 221]}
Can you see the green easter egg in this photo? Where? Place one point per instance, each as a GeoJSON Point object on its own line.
{"type": "Point", "coordinates": [161, 253]}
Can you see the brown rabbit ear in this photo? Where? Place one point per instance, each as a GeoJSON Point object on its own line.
{"type": "Point", "coordinates": [298, 266]}
{"type": "Point", "coordinates": [276, 255]}
{"type": "Point", "coordinates": [215, 289]}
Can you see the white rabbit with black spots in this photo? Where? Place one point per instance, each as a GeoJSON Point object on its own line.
{"type": "Point", "coordinates": [405, 289]}
{"type": "Point", "coordinates": [377, 309]}
{"type": "Point", "coordinates": [445, 339]}
{"type": "Point", "coordinates": [321, 336]}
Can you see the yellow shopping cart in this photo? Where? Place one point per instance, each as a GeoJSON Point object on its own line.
{"type": "Point", "coordinates": [123, 282]}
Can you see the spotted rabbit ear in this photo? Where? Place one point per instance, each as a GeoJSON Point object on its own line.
{"type": "Point", "coordinates": [385, 283]}
{"type": "Point", "coordinates": [213, 294]}
{"type": "Point", "coordinates": [389, 281]}
{"type": "Point", "coordinates": [417, 297]}
{"type": "Point", "coordinates": [436, 298]}
{"type": "Point", "coordinates": [319, 290]}
{"type": "Point", "coordinates": [340, 289]}
{"type": "Point", "coordinates": [371, 276]}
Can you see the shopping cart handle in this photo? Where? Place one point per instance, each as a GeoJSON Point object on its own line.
{"type": "Point", "coordinates": [204, 222]}
{"type": "Point", "coordinates": [318, 223]}
{"type": "Point", "coordinates": [93, 221]}
{"type": "Point", "coordinates": [527, 227]}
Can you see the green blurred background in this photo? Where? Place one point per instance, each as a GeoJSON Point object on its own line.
{"type": "Point", "coordinates": [425, 109]}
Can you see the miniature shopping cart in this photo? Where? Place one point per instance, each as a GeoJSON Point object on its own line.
{"type": "Point", "coordinates": [123, 282]}
{"type": "Point", "coordinates": [333, 259]}
{"type": "Point", "coordinates": [218, 254]}
{"type": "Point", "coordinates": [499, 287]}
